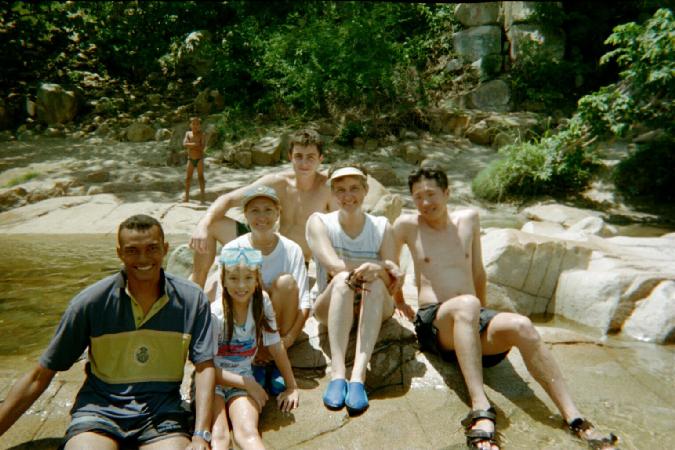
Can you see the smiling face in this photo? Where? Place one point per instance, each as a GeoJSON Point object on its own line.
{"type": "Point", "coordinates": [305, 158]}
{"type": "Point", "coordinates": [262, 214]}
{"type": "Point", "coordinates": [430, 200]}
{"type": "Point", "coordinates": [142, 253]}
{"type": "Point", "coordinates": [350, 192]}
{"type": "Point", "coordinates": [240, 282]}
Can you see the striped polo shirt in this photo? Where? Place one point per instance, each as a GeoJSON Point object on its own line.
{"type": "Point", "coordinates": [135, 362]}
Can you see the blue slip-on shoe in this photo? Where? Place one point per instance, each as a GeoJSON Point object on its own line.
{"type": "Point", "coordinates": [357, 399]}
{"type": "Point", "coordinates": [277, 385]}
{"type": "Point", "coordinates": [334, 397]}
{"type": "Point", "coordinates": [260, 374]}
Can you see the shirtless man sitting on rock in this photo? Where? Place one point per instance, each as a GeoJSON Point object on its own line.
{"type": "Point", "coordinates": [302, 191]}
{"type": "Point", "coordinates": [451, 320]}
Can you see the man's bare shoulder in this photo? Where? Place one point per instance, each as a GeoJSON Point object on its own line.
{"type": "Point", "coordinates": [278, 179]}
{"type": "Point", "coordinates": [405, 225]}
{"type": "Point", "coordinates": [468, 216]}
{"type": "Point", "coordinates": [406, 220]}
{"type": "Point", "coordinates": [322, 177]}
{"type": "Point", "coordinates": [462, 215]}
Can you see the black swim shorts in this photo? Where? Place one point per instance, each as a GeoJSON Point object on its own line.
{"type": "Point", "coordinates": [426, 334]}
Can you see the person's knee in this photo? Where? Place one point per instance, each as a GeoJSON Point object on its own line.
{"type": "Point", "coordinates": [245, 433]}
{"type": "Point", "coordinates": [377, 289]}
{"type": "Point", "coordinates": [285, 286]}
{"type": "Point", "coordinates": [340, 286]}
{"type": "Point", "coordinates": [465, 308]}
{"type": "Point", "coordinates": [524, 331]}
{"type": "Point", "coordinates": [220, 437]}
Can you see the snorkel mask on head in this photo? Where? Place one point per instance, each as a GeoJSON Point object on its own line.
{"type": "Point", "coordinates": [246, 256]}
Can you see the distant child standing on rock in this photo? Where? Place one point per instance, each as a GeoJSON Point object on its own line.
{"type": "Point", "coordinates": [244, 320]}
{"type": "Point", "coordinates": [194, 142]}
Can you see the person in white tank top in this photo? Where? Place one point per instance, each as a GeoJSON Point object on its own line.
{"type": "Point", "coordinates": [354, 254]}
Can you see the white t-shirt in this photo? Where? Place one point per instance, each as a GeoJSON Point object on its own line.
{"type": "Point", "coordinates": [365, 247]}
{"type": "Point", "coordinates": [287, 257]}
{"type": "Point", "coordinates": [237, 355]}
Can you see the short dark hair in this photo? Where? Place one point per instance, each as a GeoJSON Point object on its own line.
{"type": "Point", "coordinates": [430, 172]}
{"type": "Point", "coordinates": [140, 222]}
{"type": "Point", "coordinates": [306, 137]}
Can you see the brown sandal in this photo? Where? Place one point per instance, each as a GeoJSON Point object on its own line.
{"type": "Point", "coordinates": [580, 425]}
{"type": "Point", "coordinates": [474, 436]}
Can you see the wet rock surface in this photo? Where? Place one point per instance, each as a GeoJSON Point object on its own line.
{"type": "Point", "coordinates": [418, 400]}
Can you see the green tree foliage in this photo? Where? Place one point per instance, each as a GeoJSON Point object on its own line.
{"type": "Point", "coordinates": [644, 95]}
{"type": "Point", "coordinates": [641, 100]}
{"type": "Point", "coordinates": [287, 56]}
{"type": "Point", "coordinates": [42, 39]}
{"type": "Point", "coordinates": [322, 55]}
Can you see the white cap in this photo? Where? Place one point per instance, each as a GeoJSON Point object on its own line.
{"type": "Point", "coordinates": [347, 171]}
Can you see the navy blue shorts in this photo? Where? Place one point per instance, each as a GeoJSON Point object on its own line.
{"type": "Point", "coordinates": [135, 432]}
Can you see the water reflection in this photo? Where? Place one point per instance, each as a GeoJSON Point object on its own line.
{"type": "Point", "coordinates": [39, 275]}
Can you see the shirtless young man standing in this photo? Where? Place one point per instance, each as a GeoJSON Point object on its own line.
{"type": "Point", "coordinates": [194, 142]}
{"type": "Point", "coordinates": [302, 191]}
{"type": "Point", "coordinates": [451, 320]}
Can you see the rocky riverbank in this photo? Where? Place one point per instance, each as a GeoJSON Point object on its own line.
{"type": "Point", "coordinates": [564, 261]}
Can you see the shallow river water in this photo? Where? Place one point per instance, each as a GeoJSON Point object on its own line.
{"type": "Point", "coordinates": [39, 274]}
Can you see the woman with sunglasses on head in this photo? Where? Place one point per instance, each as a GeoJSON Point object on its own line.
{"type": "Point", "coordinates": [284, 277]}
{"type": "Point", "coordinates": [354, 254]}
{"type": "Point", "coordinates": [243, 321]}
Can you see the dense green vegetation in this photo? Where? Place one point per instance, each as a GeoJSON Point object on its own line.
{"type": "Point", "coordinates": [286, 58]}
{"type": "Point", "coordinates": [642, 100]}
{"type": "Point", "coordinates": [353, 61]}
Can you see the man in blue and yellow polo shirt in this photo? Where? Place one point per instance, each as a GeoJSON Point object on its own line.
{"type": "Point", "coordinates": [139, 325]}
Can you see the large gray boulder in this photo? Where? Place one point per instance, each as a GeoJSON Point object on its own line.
{"type": "Point", "coordinates": [267, 152]}
{"type": "Point", "coordinates": [494, 95]}
{"type": "Point", "coordinates": [55, 104]}
{"type": "Point", "coordinates": [140, 132]}
{"type": "Point", "coordinates": [611, 284]}
{"type": "Point", "coordinates": [382, 172]}
{"type": "Point", "coordinates": [561, 214]}
{"type": "Point", "coordinates": [478, 42]}
{"type": "Point", "coordinates": [177, 135]}
{"type": "Point", "coordinates": [604, 299]}
{"type": "Point", "coordinates": [180, 261]}
{"type": "Point", "coordinates": [208, 101]}
{"type": "Point", "coordinates": [653, 319]}
{"type": "Point", "coordinates": [616, 288]}
{"type": "Point", "coordinates": [380, 202]}
{"type": "Point", "coordinates": [518, 12]}
{"type": "Point", "coordinates": [475, 14]}
{"type": "Point", "coordinates": [523, 269]}
{"type": "Point", "coordinates": [480, 133]}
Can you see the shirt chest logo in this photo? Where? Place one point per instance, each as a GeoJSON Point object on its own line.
{"type": "Point", "coordinates": [142, 355]}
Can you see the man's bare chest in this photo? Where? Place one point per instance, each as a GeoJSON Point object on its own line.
{"type": "Point", "coordinates": [299, 205]}
{"type": "Point", "coordinates": [445, 249]}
